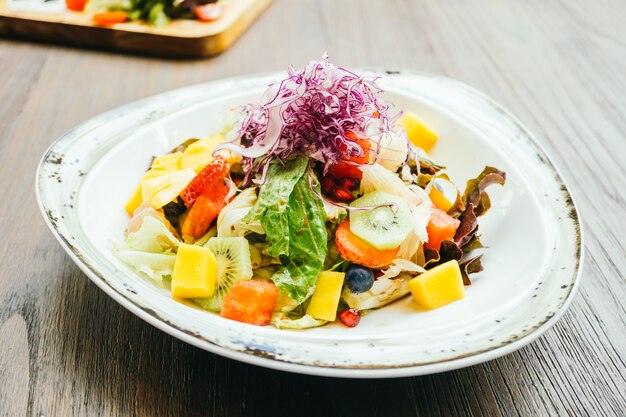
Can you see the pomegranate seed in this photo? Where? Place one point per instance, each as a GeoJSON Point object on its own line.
{"type": "Point", "coordinates": [350, 317]}
{"type": "Point", "coordinates": [328, 184]}
{"type": "Point", "coordinates": [349, 184]}
{"type": "Point", "coordinates": [342, 194]}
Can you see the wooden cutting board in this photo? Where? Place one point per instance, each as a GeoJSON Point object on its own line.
{"type": "Point", "coordinates": [50, 21]}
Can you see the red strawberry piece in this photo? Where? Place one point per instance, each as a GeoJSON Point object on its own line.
{"type": "Point", "coordinates": [216, 170]}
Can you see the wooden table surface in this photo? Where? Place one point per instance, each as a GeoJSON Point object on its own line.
{"type": "Point", "coordinates": [67, 349]}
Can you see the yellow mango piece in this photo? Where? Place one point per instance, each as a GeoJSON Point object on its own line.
{"type": "Point", "coordinates": [438, 286]}
{"type": "Point", "coordinates": [136, 199]}
{"type": "Point", "coordinates": [419, 134]}
{"type": "Point", "coordinates": [200, 153]}
{"type": "Point", "coordinates": [439, 199]}
{"type": "Point", "coordinates": [325, 299]}
{"type": "Point", "coordinates": [168, 163]}
{"type": "Point", "coordinates": [160, 190]}
{"type": "Point", "coordinates": [160, 166]}
{"type": "Point", "coordinates": [195, 272]}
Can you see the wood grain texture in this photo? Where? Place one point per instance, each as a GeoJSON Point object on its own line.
{"type": "Point", "coordinates": [66, 349]}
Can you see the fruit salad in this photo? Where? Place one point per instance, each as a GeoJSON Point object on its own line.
{"type": "Point", "coordinates": [315, 205]}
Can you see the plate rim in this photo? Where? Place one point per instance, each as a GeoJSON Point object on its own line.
{"type": "Point", "coordinates": [261, 358]}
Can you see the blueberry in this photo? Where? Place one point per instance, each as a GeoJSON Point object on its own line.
{"type": "Point", "coordinates": [359, 278]}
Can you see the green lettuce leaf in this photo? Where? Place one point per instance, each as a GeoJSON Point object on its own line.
{"type": "Point", "coordinates": [153, 236]}
{"type": "Point", "coordinates": [272, 205]}
{"type": "Point", "coordinates": [156, 266]}
{"type": "Point", "coordinates": [306, 241]}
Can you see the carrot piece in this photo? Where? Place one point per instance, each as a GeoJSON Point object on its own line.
{"type": "Point", "coordinates": [75, 5]}
{"type": "Point", "coordinates": [250, 301]}
{"type": "Point", "coordinates": [205, 210]}
{"type": "Point", "coordinates": [365, 146]}
{"type": "Point", "coordinates": [354, 249]}
{"type": "Point", "coordinates": [441, 227]}
{"type": "Point", "coordinates": [110, 18]}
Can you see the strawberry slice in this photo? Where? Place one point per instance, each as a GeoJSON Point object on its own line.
{"type": "Point", "coordinates": [217, 169]}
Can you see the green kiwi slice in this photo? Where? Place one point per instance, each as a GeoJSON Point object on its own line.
{"type": "Point", "coordinates": [384, 227]}
{"type": "Point", "coordinates": [232, 255]}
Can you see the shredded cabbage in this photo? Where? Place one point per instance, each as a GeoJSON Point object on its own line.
{"type": "Point", "coordinates": [313, 113]}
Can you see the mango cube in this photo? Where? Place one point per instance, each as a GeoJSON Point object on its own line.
{"type": "Point", "coordinates": [195, 272]}
{"type": "Point", "coordinates": [198, 155]}
{"type": "Point", "coordinates": [134, 201]}
{"type": "Point", "coordinates": [167, 163]}
{"type": "Point", "coordinates": [160, 166]}
{"type": "Point", "coordinates": [439, 199]}
{"type": "Point", "coordinates": [438, 286]}
{"type": "Point", "coordinates": [161, 190]}
{"type": "Point", "coordinates": [419, 134]}
{"type": "Point", "coordinates": [325, 299]}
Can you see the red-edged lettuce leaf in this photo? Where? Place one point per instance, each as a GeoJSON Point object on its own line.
{"type": "Point", "coordinates": [475, 189]}
{"type": "Point", "coordinates": [467, 208]}
{"type": "Point", "coordinates": [447, 252]}
{"type": "Point", "coordinates": [470, 266]}
{"type": "Point", "coordinates": [468, 227]}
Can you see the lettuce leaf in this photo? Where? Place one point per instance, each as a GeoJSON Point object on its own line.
{"type": "Point", "coordinates": [293, 219]}
{"type": "Point", "coordinates": [475, 189]}
{"type": "Point", "coordinates": [230, 221]}
{"type": "Point", "coordinates": [153, 236]}
{"type": "Point", "coordinates": [282, 321]}
{"type": "Point", "coordinates": [156, 266]}
{"type": "Point", "coordinates": [471, 266]}
{"type": "Point", "coordinates": [384, 291]}
{"type": "Point", "coordinates": [273, 204]}
{"type": "Point", "coordinates": [306, 240]}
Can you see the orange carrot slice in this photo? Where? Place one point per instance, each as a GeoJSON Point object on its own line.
{"type": "Point", "coordinates": [110, 18]}
{"type": "Point", "coordinates": [354, 249]}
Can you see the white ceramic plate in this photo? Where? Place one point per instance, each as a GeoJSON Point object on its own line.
{"type": "Point", "coordinates": [531, 267]}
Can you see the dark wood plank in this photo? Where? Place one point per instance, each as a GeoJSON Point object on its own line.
{"type": "Point", "coordinates": [67, 349]}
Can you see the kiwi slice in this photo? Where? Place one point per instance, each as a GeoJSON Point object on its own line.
{"type": "Point", "coordinates": [383, 227]}
{"type": "Point", "coordinates": [232, 256]}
